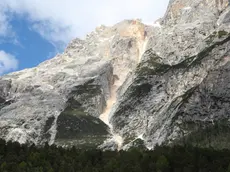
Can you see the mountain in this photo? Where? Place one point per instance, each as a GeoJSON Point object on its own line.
{"type": "Point", "coordinates": [130, 84]}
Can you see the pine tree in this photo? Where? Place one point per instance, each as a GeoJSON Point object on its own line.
{"type": "Point", "coordinates": [162, 164]}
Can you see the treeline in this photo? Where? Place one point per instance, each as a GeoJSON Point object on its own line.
{"type": "Point", "coordinates": [21, 158]}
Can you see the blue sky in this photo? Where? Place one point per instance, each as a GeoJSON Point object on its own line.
{"type": "Point", "coordinates": [31, 48]}
{"type": "Point", "coordinates": [32, 31]}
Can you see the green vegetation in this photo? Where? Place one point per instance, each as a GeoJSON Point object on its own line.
{"type": "Point", "coordinates": [152, 66]}
{"type": "Point", "coordinates": [209, 135]}
{"type": "Point", "coordinates": [75, 126]}
{"type": "Point", "coordinates": [140, 90]}
{"type": "Point", "coordinates": [22, 158]}
{"type": "Point", "coordinates": [88, 89]}
{"type": "Point", "coordinates": [222, 33]}
{"type": "Point", "coordinates": [83, 130]}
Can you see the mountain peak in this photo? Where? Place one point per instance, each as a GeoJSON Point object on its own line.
{"type": "Point", "coordinates": [185, 11]}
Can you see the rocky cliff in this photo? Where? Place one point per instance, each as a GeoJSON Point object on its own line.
{"type": "Point", "coordinates": [129, 84]}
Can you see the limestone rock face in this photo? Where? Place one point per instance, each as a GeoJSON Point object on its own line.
{"type": "Point", "coordinates": [174, 93]}
{"type": "Point", "coordinates": [131, 84]}
{"type": "Point", "coordinates": [60, 100]}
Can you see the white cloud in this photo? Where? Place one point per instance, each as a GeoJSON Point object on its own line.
{"type": "Point", "coordinates": [4, 24]}
{"type": "Point", "coordinates": [5, 28]}
{"type": "Point", "coordinates": [7, 62]}
{"type": "Point", "coordinates": [59, 21]}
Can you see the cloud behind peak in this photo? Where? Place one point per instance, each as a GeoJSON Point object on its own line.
{"type": "Point", "coordinates": [59, 21]}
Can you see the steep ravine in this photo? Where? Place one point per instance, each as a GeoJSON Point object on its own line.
{"type": "Point", "coordinates": [142, 44]}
